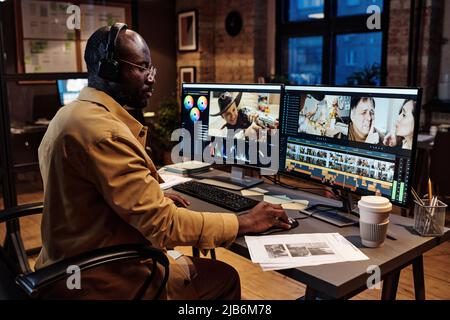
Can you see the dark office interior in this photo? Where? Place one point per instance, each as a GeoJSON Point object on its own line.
{"type": "Point", "coordinates": [342, 43]}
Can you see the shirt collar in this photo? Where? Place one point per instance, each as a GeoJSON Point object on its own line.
{"type": "Point", "coordinates": [102, 98]}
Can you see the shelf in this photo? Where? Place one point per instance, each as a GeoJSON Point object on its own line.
{"type": "Point", "coordinates": [43, 76]}
{"type": "Point", "coordinates": [25, 167]}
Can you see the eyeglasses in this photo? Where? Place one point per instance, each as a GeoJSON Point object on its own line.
{"type": "Point", "coordinates": [151, 70]}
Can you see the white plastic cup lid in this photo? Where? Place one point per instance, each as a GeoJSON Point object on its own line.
{"type": "Point", "coordinates": [376, 203]}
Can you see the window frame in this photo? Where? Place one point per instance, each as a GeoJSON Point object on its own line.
{"type": "Point", "coordinates": [328, 27]}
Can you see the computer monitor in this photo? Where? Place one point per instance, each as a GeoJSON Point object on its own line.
{"type": "Point", "coordinates": [233, 124]}
{"type": "Point", "coordinates": [356, 139]}
{"type": "Point", "coordinates": [68, 89]}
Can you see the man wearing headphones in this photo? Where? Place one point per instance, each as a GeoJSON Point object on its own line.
{"type": "Point", "coordinates": [102, 189]}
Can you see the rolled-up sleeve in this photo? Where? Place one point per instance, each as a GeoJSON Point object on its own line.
{"type": "Point", "coordinates": [117, 167]}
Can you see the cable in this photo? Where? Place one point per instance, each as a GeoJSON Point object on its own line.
{"type": "Point", "coordinates": [298, 188]}
{"type": "Point", "coordinates": [284, 185]}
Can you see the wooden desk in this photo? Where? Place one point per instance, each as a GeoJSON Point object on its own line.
{"type": "Point", "coordinates": [344, 280]}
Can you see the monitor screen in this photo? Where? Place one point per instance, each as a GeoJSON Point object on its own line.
{"type": "Point", "coordinates": [69, 89]}
{"type": "Point", "coordinates": [358, 139]}
{"type": "Point", "coordinates": [232, 123]}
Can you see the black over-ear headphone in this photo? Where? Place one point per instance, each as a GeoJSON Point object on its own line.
{"type": "Point", "coordinates": [108, 68]}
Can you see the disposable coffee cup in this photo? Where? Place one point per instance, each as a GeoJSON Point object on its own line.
{"type": "Point", "coordinates": [373, 220]}
{"type": "Point", "coordinates": [374, 209]}
{"type": "Point", "coordinates": [373, 234]}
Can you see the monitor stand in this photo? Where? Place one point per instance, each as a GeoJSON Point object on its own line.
{"type": "Point", "coordinates": [236, 181]}
{"type": "Point", "coordinates": [339, 216]}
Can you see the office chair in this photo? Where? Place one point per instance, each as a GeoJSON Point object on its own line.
{"type": "Point", "coordinates": [15, 284]}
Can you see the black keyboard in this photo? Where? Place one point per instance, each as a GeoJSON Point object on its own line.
{"type": "Point", "coordinates": [222, 198]}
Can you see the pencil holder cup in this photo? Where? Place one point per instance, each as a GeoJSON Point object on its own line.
{"type": "Point", "coordinates": [429, 220]}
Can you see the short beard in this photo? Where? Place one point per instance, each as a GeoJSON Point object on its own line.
{"type": "Point", "coordinates": [125, 99]}
{"type": "Point", "coordinates": [115, 91]}
{"type": "Point", "coordinates": [129, 101]}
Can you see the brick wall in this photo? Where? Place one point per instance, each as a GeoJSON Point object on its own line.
{"type": "Point", "coordinates": [430, 54]}
{"type": "Point", "coordinates": [398, 43]}
{"type": "Point", "coordinates": [430, 45]}
{"type": "Point", "coordinates": [221, 57]}
{"type": "Point", "coordinates": [203, 58]}
{"type": "Point", "coordinates": [445, 53]}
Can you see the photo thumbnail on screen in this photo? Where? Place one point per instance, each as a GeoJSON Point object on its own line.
{"type": "Point", "coordinates": [371, 120]}
{"type": "Point", "coordinates": [324, 115]}
{"type": "Point", "coordinates": [382, 121]}
{"type": "Point", "coordinates": [246, 113]}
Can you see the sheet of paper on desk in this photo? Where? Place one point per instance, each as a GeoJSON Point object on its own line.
{"type": "Point", "coordinates": [171, 180]}
{"type": "Point", "coordinates": [295, 205]}
{"type": "Point", "coordinates": [292, 248]}
{"type": "Point", "coordinates": [299, 250]}
{"type": "Point", "coordinates": [351, 252]}
{"type": "Point", "coordinates": [250, 193]}
{"type": "Point", "coordinates": [253, 192]}
{"type": "Point", "coordinates": [259, 190]}
{"type": "Point", "coordinates": [276, 199]}
{"type": "Point", "coordinates": [281, 196]}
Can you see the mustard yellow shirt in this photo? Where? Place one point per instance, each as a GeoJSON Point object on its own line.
{"type": "Point", "coordinates": [102, 189]}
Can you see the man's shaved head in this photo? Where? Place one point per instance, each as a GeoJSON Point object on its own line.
{"type": "Point", "coordinates": [129, 44]}
{"type": "Point", "coordinates": [133, 86]}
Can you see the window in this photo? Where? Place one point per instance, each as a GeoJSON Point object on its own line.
{"type": "Point", "coordinates": [305, 63]}
{"type": "Point", "coordinates": [356, 7]}
{"type": "Point", "coordinates": [349, 57]}
{"type": "Point", "coordinates": [329, 42]}
{"type": "Point", "coordinates": [305, 10]}
{"type": "Point", "coordinates": [357, 55]}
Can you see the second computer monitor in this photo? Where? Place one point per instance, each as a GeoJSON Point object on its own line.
{"type": "Point", "coordinates": [69, 89]}
{"type": "Point", "coordinates": [359, 139]}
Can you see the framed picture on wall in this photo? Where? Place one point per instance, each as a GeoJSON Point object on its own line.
{"type": "Point", "coordinates": [186, 75]}
{"type": "Point", "coordinates": [187, 31]}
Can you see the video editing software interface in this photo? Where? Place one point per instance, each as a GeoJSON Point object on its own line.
{"type": "Point", "coordinates": [359, 139]}
{"type": "Point", "coordinates": [240, 111]}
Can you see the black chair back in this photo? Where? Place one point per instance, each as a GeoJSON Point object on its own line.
{"type": "Point", "coordinates": [9, 290]}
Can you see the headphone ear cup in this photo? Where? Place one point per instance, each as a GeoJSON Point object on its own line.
{"type": "Point", "coordinates": [108, 69]}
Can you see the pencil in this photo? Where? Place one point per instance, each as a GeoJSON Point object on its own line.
{"type": "Point", "coordinates": [430, 191]}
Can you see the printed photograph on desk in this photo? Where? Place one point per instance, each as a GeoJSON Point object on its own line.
{"type": "Point", "coordinates": [324, 115]}
{"type": "Point", "coordinates": [309, 249]}
{"type": "Point", "coordinates": [382, 121]}
{"type": "Point", "coordinates": [276, 250]}
{"type": "Point", "coordinates": [244, 112]}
